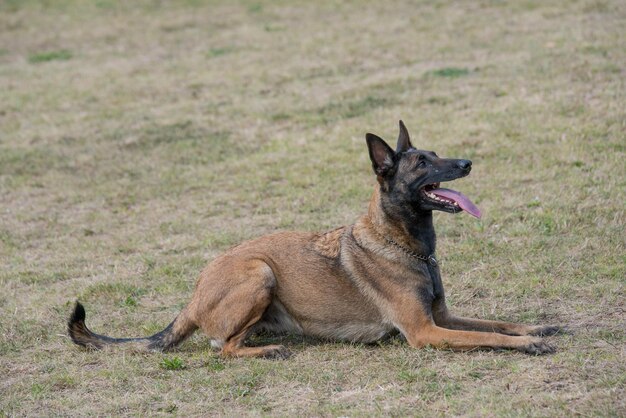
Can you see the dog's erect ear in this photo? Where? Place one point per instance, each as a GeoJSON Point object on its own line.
{"type": "Point", "coordinates": [404, 142]}
{"type": "Point", "coordinates": [381, 154]}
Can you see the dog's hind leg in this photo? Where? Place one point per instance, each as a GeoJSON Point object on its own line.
{"type": "Point", "coordinates": [245, 296]}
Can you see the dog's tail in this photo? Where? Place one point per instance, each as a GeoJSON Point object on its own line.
{"type": "Point", "coordinates": [175, 333]}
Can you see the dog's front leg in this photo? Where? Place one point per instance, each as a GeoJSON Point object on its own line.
{"type": "Point", "coordinates": [469, 340]}
{"type": "Point", "coordinates": [502, 327]}
{"type": "Point", "coordinates": [445, 319]}
{"type": "Point", "coordinates": [420, 329]}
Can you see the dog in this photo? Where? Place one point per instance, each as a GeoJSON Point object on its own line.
{"type": "Point", "coordinates": [354, 283]}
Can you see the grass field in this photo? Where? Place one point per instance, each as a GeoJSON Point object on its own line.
{"type": "Point", "coordinates": [139, 139]}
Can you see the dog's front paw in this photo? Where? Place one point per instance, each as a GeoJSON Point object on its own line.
{"type": "Point", "coordinates": [537, 347]}
{"type": "Point", "coordinates": [546, 330]}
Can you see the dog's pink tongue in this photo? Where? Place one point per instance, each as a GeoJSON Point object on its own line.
{"type": "Point", "coordinates": [460, 199]}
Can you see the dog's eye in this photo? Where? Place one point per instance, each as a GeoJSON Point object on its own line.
{"type": "Point", "coordinates": [421, 164]}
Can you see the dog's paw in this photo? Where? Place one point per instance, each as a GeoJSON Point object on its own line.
{"type": "Point", "coordinates": [277, 352]}
{"type": "Point", "coordinates": [546, 330]}
{"type": "Point", "coordinates": [537, 347]}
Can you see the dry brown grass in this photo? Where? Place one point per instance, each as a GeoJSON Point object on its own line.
{"type": "Point", "coordinates": [139, 139]}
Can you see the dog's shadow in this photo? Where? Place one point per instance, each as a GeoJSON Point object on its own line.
{"type": "Point", "coordinates": [297, 341]}
{"type": "Point", "coordinates": [294, 342]}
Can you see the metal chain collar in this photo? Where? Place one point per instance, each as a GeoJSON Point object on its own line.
{"type": "Point", "coordinates": [430, 259]}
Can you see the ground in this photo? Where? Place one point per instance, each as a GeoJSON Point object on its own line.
{"type": "Point", "coordinates": [140, 139]}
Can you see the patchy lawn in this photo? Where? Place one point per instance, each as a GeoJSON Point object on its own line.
{"type": "Point", "coordinates": [140, 139]}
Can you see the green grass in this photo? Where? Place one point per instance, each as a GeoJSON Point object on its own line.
{"type": "Point", "coordinates": [450, 72]}
{"type": "Point", "coordinates": [172, 363]}
{"type": "Point", "coordinates": [174, 130]}
{"type": "Point", "coordinates": [60, 55]}
{"type": "Point", "coordinates": [217, 52]}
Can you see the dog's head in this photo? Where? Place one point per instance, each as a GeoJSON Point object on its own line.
{"type": "Point", "coordinates": [410, 178]}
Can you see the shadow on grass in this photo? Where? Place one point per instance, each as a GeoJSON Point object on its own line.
{"type": "Point", "coordinates": [299, 341]}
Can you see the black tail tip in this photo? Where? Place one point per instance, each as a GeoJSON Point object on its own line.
{"type": "Point", "coordinates": [78, 315]}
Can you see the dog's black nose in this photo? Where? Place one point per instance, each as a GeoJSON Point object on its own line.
{"type": "Point", "coordinates": [464, 164]}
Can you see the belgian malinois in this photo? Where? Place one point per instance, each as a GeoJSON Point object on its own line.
{"type": "Point", "coordinates": [354, 283]}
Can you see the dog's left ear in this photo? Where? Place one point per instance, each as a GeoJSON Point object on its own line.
{"type": "Point", "coordinates": [381, 154]}
{"type": "Point", "coordinates": [404, 142]}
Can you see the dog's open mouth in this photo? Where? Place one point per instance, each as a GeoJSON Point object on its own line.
{"type": "Point", "coordinates": [450, 198]}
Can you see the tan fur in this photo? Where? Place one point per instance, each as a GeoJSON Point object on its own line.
{"type": "Point", "coordinates": [328, 243]}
